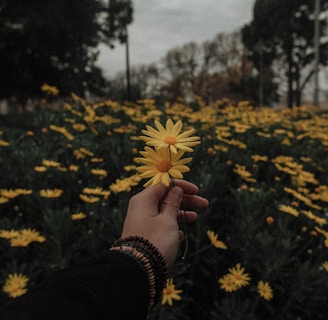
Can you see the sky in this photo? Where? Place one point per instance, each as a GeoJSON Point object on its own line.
{"type": "Point", "coordinates": [161, 25]}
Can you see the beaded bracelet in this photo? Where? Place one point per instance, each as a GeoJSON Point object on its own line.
{"type": "Point", "coordinates": [152, 261]}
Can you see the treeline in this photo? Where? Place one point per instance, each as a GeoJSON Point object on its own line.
{"type": "Point", "coordinates": [270, 59]}
{"type": "Point", "coordinates": [57, 42]}
{"type": "Point", "coordinates": [275, 55]}
{"type": "Point", "coordinates": [215, 69]}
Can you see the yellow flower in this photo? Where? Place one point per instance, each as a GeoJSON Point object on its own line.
{"type": "Point", "coordinates": [99, 172]}
{"type": "Point", "coordinates": [160, 165]}
{"type": "Point", "coordinates": [32, 235]}
{"type": "Point", "coordinates": [8, 234]}
{"type": "Point", "coordinates": [302, 198]}
{"type": "Point", "coordinates": [318, 220]}
{"type": "Point", "coordinates": [87, 152]}
{"type": "Point", "coordinates": [40, 168]}
{"type": "Point", "coordinates": [325, 265]}
{"type": "Point", "coordinates": [73, 167]}
{"type": "Point", "coordinates": [50, 163]}
{"type": "Point", "coordinates": [19, 242]}
{"type": "Point", "coordinates": [170, 136]}
{"type": "Point", "coordinates": [4, 143]}
{"type": "Point", "coordinates": [214, 240]}
{"type": "Point", "coordinates": [15, 285]}
{"type": "Point", "coordinates": [257, 158]}
{"type": "Point", "coordinates": [51, 193]}
{"type": "Point", "coordinates": [9, 193]}
{"type": "Point", "coordinates": [79, 127]}
{"type": "Point", "coordinates": [129, 167]}
{"type": "Point", "coordinates": [51, 90]}
{"type": "Point", "coordinates": [289, 209]}
{"type": "Point", "coordinates": [121, 185]}
{"type": "Point", "coordinates": [3, 200]}
{"type": "Point", "coordinates": [98, 191]}
{"type": "Point", "coordinates": [62, 130]}
{"type": "Point", "coordinates": [25, 237]}
{"type": "Point", "coordinates": [243, 173]}
{"type": "Point", "coordinates": [227, 283]}
{"type": "Point", "coordinates": [24, 191]}
{"type": "Point", "coordinates": [264, 290]}
{"type": "Point", "coordinates": [239, 277]}
{"type": "Point", "coordinates": [88, 199]}
{"type": "Point", "coordinates": [78, 216]}
{"type": "Point", "coordinates": [170, 293]}
{"type": "Point", "coordinates": [95, 160]}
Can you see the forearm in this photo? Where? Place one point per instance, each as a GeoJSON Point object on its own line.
{"type": "Point", "coordinates": [114, 286]}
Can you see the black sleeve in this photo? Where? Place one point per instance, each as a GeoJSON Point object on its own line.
{"type": "Point", "coordinates": [113, 286]}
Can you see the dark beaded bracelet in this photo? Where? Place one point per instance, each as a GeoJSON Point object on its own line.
{"type": "Point", "coordinates": [152, 261]}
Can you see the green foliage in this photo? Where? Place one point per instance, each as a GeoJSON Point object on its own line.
{"type": "Point", "coordinates": [284, 30]}
{"type": "Point", "coordinates": [56, 42]}
{"type": "Point", "coordinates": [250, 164]}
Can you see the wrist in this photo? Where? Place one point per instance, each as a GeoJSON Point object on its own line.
{"type": "Point", "coordinates": [152, 261]}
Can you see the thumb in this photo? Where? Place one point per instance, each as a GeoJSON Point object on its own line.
{"type": "Point", "coordinates": [171, 202]}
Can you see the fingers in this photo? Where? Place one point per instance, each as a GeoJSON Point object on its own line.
{"type": "Point", "coordinates": [190, 198]}
{"type": "Point", "coordinates": [147, 200]}
{"type": "Point", "coordinates": [187, 216]}
{"type": "Point", "coordinates": [154, 199]}
{"type": "Point", "coordinates": [171, 202]}
{"type": "Point", "coordinates": [194, 201]}
{"type": "Point", "coordinates": [186, 186]}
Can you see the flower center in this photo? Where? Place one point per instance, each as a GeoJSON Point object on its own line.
{"type": "Point", "coordinates": [170, 140]}
{"type": "Point", "coordinates": [164, 165]}
{"type": "Point", "coordinates": [168, 291]}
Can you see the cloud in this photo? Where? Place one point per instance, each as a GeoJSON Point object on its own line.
{"type": "Point", "coordinates": [159, 26]}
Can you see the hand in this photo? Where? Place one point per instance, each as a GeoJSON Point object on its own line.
{"type": "Point", "coordinates": [154, 213]}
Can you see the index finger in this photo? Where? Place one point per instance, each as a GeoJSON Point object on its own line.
{"type": "Point", "coordinates": [186, 186]}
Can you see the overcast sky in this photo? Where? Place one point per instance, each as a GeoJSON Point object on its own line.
{"type": "Point", "coordinates": [161, 25]}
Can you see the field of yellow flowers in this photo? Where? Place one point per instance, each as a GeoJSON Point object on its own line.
{"type": "Point", "coordinates": [259, 251]}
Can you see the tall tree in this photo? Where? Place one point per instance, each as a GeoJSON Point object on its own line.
{"type": "Point", "coordinates": [284, 29]}
{"type": "Point", "coordinates": [54, 42]}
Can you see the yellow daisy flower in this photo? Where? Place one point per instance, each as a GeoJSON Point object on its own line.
{"type": "Point", "coordinates": [9, 193]}
{"type": "Point", "coordinates": [239, 277]}
{"type": "Point", "coordinates": [289, 210]}
{"type": "Point", "coordinates": [97, 191]}
{"type": "Point", "coordinates": [325, 265]}
{"type": "Point", "coordinates": [3, 199]}
{"type": "Point", "coordinates": [87, 152]}
{"type": "Point", "coordinates": [264, 290]}
{"type": "Point", "coordinates": [99, 172]}
{"type": "Point", "coordinates": [122, 185]}
{"type": "Point", "coordinates": [51, 90]}
{"type": "Point", "coordinates": [170, 293]}
{"type": "Point", "coordinates": [88, 199]}
{"type": "Point", "coordinates": [62, 130]}
{"type": "Point", "coordinates": [227, 283]}
{"type": "Point", "coordinates": [243, 173]}
{"type": "Point", "coordinates": [214, 240]}
{"type": "Point", "coordinates": [50, 163]}
{"type": "Point", "coordinates": [8, 234]}
{"type": "Point", "coordinates": [32, 235]}
{"type": "Point", "coordinates": [24, 191]}
{"type": "Point", "coordinates": [78, 216]}
{"type": "Point", "coordinates": [15, 285]}
{"type": "Point", "coordinates": [22, 238]}
{"type": "Point", "coordinates": [73, 167]}
{"type": "Point", "coordinates": [160, 165]}
{"type": "Point", "coordinates": [40, 169]}
{"type": "Point", "coordinates": [4, 143]}
{"type": "Point", "coordinates": [170, 136]}
{"type": "Point", "coordinates": [51, 193]}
